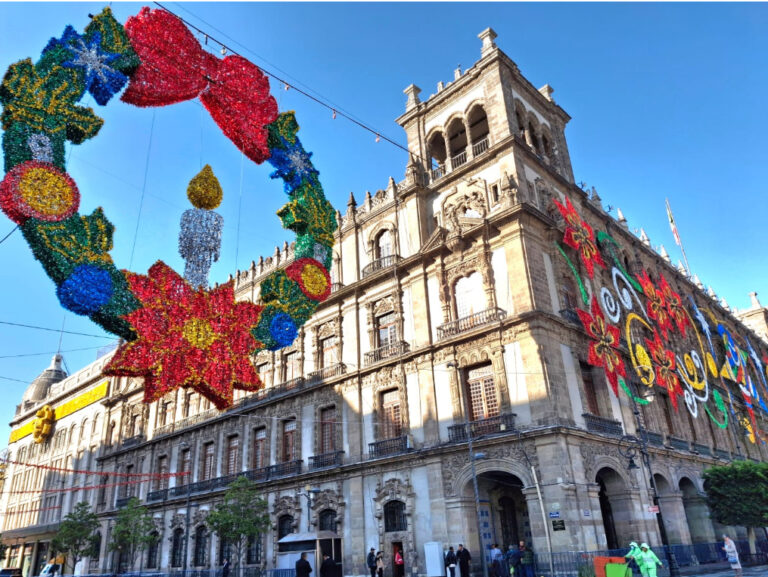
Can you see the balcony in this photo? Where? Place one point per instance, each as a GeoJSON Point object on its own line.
{"type": "Point", "coordinates": [394, 446]}
{"type": "Point", "coordinates": [386, 352]}
{"type": "Point", "coordinates": [160, 495]}
{"type": "Point", "coordinates": [325, 460]}
{"type": "Point", "coordinates": [326, 373]}
{"type": "Point", "coordinates": [480, 147]}
{"type": "Point", "coordinates": [186, 422]}
{"type": "Point", "coordinates": [132, 441]}
{"type": "Point", "coordinates": [500, 424]}
{"type": "Point", "coordinates": [458, 160]}
{"type": "Point", "coordinates": [380, 264]}
{"type": "Point", "coordinates": [437, 173]}
{"type": "Point", "coordinates": [283, 469]}
{"type": "Point", "coordinates": [679, 444]}
{"type": "Point", "coordinates": [602, 425]}
{"type": "Point", "coordinates": [721, 454]}
{"type": "Point", "coordinates": [462, 325]}
{"type": "Point", "coordinates": [702, 449]}
{"type": "Point", "coordinates": [336, 287]}
{"type": "Point", "coordinates": [571, 316]}
{"type": "Point", "coordinates": [652, 438]}
{"type": "Point", "coordinates": [123, 501]}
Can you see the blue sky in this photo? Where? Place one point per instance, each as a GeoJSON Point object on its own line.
{"type": "Point", "coordinates": [667, 100]}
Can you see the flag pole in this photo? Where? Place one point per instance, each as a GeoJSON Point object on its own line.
{"type": "Point", "coordinates": [676, 234]}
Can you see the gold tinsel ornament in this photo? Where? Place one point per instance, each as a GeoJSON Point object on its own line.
{"type": "Point", "coordinates": [204, 190]}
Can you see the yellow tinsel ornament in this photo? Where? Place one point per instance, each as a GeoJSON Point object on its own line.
{"type": "Point", "coordinates": [204, 190]}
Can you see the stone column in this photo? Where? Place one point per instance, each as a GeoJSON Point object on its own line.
{"type": "Point", "coordinates": [675, 521]}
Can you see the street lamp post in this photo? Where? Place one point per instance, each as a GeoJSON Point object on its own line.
{"type": "Point", "coordinates": [468, 429]}
{"type": "Point", "coordinates": [633, 445]}
{"type": "Point", "coordinates": [308, 492]}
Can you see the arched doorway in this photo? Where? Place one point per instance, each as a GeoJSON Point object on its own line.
{"type": "Point", "coordinates": [503, 509]}
{"type": "Point", "coordinates": [696, 513]}
{"type": "Point", "coordinates": [615, 508]}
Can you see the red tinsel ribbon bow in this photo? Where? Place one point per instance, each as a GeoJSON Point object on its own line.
{"type": "Point", "coordinates": [174, 67]}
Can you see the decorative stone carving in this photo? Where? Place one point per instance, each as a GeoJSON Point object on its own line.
{"type": "Point", "coordinates": [178, 521]}
{"type": "Point", "coordinates": [200, 517]}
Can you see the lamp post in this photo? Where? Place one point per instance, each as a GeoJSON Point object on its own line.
{"type": "Point", "coordinates": [308, 492]}
{"type": "Point", "coordinates": [629, 452]}
{"type": "Point", "coordinates": [468, 429]}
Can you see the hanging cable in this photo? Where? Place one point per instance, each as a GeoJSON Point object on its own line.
{"type": "Point", "coordinates": [143, 189]}
{"type": "Point", "coordinates": [111, 338]}
{"type": "Point", "coordinates": [2, 240]}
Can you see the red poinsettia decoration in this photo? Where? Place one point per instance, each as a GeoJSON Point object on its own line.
{"type": "Point", "coordinates": [174, 67]}
{"type": "Point", "coordinates": [656, 305]}
{"type": "Point", "coordinates": [664, 367]}
{"type": "Point", "coordinates": [188, 338]}
{"type": "Point", "coordinates": [603, 352]}
{"type": "Point", "coordinates": [674, 305]}
{"type": "Point", "coordinates": [580, 236]}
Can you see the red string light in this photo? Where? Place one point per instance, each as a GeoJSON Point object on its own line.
{"type": "Point", "coordinates": [86, 472]}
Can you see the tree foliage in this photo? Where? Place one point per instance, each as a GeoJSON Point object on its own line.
{"type": "Point", "coordinates": [241, 516]}
{"type": "Point", "coordinates": [737, 494]}
{"type": "Point", "coordinates": [77, 534]}
{"type": "Point", "coordinates": [134, 530]}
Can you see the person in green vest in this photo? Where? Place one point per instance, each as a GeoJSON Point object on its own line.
{"type": "Point", "coordinates": [647, 561]}
{"type": "Point", "coordinates": [634, 553]}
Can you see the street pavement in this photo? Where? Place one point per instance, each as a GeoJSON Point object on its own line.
{"type": "Point", "coordinates": [721, 570]}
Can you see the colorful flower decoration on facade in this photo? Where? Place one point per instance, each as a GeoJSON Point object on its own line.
{"type": "Point", "coordinates": [674, 305]}
{"type": "Point", "coordinates": [655, 305]}
{"type": "Point", "coordinates": [38, 190]}
{"type": "Point", "coordinates": [580, 236]}
{"type": "Point", "coordinates": [664, 368]}
{"type": "Point", "coordinates": [188, 338]}
{"type": "Point", "coordinates": [603, 352]}
{"type": "Point", "coordinates": [312, 277]}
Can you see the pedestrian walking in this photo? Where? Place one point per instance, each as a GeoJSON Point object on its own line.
{"type": "Point", "coordinates": [328, 566]}
{"type": "Point", "coordinates": [464, 557]}
{"type": "Point", "coordinates": [380, 564]}
{"type": "Point", "coordinates": [513, 559]}
{"type": "Point", "coordinates": [647, 561]}
{"type": "Point", "coordinates": [732, 555]}
{"type": "Point", "coordinates": [399, 564]}
{"type": "Point", "coordinates": [632, 556]}
{"type": "Point", "coordinates": [496, 561]}
{"type": "Point", "coordinates": [526, 560]}
{"type": "Point", "coordinates": [303, 568]}
{"type": "Point", "coordinates": [370, 560]}
{"type": "Point", "coordinates": [225, 568]}
{"type": "Point", "coordinates": [450, 561]}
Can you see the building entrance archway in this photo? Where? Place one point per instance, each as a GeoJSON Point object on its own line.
{"type": "Point", "coordinates": [696, 513]}
{"type": "Point", "coordinates": [615, 507]}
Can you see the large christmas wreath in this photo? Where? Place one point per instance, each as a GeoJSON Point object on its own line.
{"type": "Point", "coordinates": [176, 334]}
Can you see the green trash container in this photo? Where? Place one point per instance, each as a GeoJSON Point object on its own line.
{"type": "Point", "coordinates": [617, 570]}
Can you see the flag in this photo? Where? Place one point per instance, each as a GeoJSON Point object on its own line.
{"type": "Point", "coordinates": [672, 225]}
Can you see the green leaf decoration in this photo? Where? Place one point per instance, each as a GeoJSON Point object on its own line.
{"type": "Point", "coordinates": [114, 40]}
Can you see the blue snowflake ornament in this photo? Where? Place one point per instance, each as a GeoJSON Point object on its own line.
{"type": "Point", "coordinates": [101, 79]}
{"type": "Point", "coordinates": [293, 164]}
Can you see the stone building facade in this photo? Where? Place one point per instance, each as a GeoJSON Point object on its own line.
{"type": "Point", "coordinates": [459, 287]}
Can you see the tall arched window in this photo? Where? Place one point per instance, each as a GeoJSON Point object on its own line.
{"type": "Point", "coordinates": [253, 554]}
{"type": "Point", "coordinates": [177, 547]}
{"type": "Point", "coordinates": [470, 298]}
{"type": "Point", "coordinates": [94, 562]}
{"type": "Point", "coordinates": [328, 520]}
{"type": "Point", "coordinates": [284, 526]}
{"type": "Point", "coordinates": [225, 550]}
{"type": "Point", "coordinates": [384, 244]}
{"type": "Point", "coordinates": [153, 550]}
{"type": "Point", "coordinates": [394, 517]}
{"type": "Point", "coordinates": [201, 546]}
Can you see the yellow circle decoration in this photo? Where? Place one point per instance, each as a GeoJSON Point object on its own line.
{"type": "Point", "coordinates": [198, 333]}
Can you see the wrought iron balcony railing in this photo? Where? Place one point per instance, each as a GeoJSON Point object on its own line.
{"type": "Point", "coordinates": [602, 425]}
{"type": "Point", "coordinates": [325, 460]}
{"type": "Point", "coordinates": [500, 424]}
{"type": "Point", "coordinates": [679, 444]}
{"type": "Point", "coordinates": [394, 446]}
{"type": "Point", "coordinates": [380, 263]}
{"type": "Point", "coordinates": [437, 173]}
{"type": "Point", "coordinates": [386, 352]}
{"type": "Point", "coordinates": [721, 454]}
{"type": "Point", "coordinates": [327, 373]}
{"type": "Point", "coordinates": [652, 438]}
{"type": "Point", "coordinates": [702, 449]}
{"type": "Point", "coordinates": [284, 469]}
{"type": "Point", "coordinates": [123, 501]}
{"type": "Point", "coordinates": [458, 160]}
{"type": "Point", "coordinates": [336, 287]}
{"type": "Point", "coordinates": [159, 495]}
{"type": "Point", "coordinates": [470, 322]}
{"type": "Point", "coordinates": [480, 147]}
{"type": "Point", "coordinates": [186, 422]}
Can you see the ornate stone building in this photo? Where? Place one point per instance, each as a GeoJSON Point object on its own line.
{"type": "Point", "coordinates": [459, 287]}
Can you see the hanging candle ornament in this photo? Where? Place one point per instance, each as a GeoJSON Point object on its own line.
{"type": "Point", "coordinates": [200, 236]}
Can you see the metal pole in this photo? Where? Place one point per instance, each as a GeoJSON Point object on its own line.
{"type": "Point", "coordinates": [468, 429]}
{"type": "Point", "coordinates": [543, 518]}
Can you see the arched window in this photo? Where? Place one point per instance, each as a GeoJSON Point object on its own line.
{"type": "Point", "coordinates": [478, 130]}
{"type": "Point", "coordinates": [284, 526]}
{"type": "Point", "coordinates": [153, 550]}
{"type": "Point", "coordinates": [253, 554]}
{"type": "Point", "coordinates": [437, 154]}
{"type": "Point", "coordinates": [201, 546]}
{"type": "Point", "coordinates": [177, 547]}
{"type": "Point", "coordinates": [94, 561]}
{"type": "Point", "coordinates": [457, 142]}
{"type": "Point", "coordinates": [470, 298]}
{"type": "Point", "coordinates": [384, 244]}
{"type": "Point", "coordinates": [394, 517]}
{"type": "Point", "coordinates": [225, 550]}
{"type": "Point", "coordinates": [328, 520]}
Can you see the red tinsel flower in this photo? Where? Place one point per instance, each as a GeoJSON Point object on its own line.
{"type": "Point", "coordinates": [579, 235]}
{"type": "Point", "coordinates": [602, 352]}
{"type": "Point", "coordinates": [656, 304]}
{"type": "Point", "coordinates": [188, 338]}
{"type": "Point", "coordinates": [664, 365]}
{"type": "Point", "coordinates": [174, 67]}
{"type": "Point", "coordinates": [674, 305]}
{"type": "Point", "coordinates": [313, 278]}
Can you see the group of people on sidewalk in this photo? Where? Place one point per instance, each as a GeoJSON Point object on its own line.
{"type": "Point", "coordinates": [375, 563]}
{"type": "Point", "coordinates": [647, 561]}
{"type": "Point", "coordinates": [517, 560]}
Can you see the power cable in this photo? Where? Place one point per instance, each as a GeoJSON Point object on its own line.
{"type": "Point", "coordinates": [112, 338]}
{"type": "Point", "coordinates": [143, 188]}
{"type": "Point", "coordinates": [19, 356]}
{"type": "Point", "coordinates": [2, 240]}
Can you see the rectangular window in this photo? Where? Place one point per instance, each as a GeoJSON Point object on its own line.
{"type": "Point", "coordinates": [187, 403]}
{"type": "Point", "coordinates": [590, 395]}
{"type": "Point", "coordinates": [162, 469]}
{"type": "Point", "coordinates": [291, 369]}
{"type": "Point", "coordinates": [264, 374]}
{"type": "Point", "coordinates": [329, 351]}
{"type": "Point", "coordinates": [483, 401]}
{"type": "Point", "coordinates": [128, 489]}
{"type": "Point", "coordinates": [328, 430]}
{"type": "Point", "coordinates": [495, 192]}
{"type": "Point", "coordinates": [185, 466]}
{"type": "Point", "coordinates": [260, 448]}
{"type": "Point", "coordinates": [289, 440]}
{"type": "Point", "coordinates": [209, 462]}
{"type": "Point", "coordinates": [391, 423]}
{"type": "Point", "coordinates": [233, 455]}
{"type": "Point", "coordinates": [386, 330]}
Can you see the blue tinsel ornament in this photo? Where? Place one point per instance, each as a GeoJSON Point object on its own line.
{"type": "Point", "coordinates": [86, 290]}
{"type": "Point", "coordinates": [283, 330]}
{"type": "Point", "coordinates": [293, 164]}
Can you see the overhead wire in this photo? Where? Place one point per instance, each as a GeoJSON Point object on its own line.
{"type": "Point", "coordinates": [111, 338]}
{"type": "Point", "coordinates": [2, 240]}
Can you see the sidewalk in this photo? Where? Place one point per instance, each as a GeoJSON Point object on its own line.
{"type": "Point", "coordinates": [722, 570]}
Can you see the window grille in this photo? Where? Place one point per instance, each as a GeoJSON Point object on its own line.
{"type": "Point", "coordinates": [289, 440]}
{"type": "Point", "coordinates": [260, 448]}
{"type": "Point", "coordinates": [391, 424]}
{"type": "Point", "coordinates": [284, 526]}
{"type": "Point", "coordinates": [328, 430]}
{"type": "Point", "coordinates": [394, 517]}
{"type": "Point", "coordinates": [482, 393]}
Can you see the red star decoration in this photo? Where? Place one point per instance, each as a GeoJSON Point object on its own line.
{"type": "Point", "coordinates": [656, 304]}
{"type": "Point", "coordinates": [580, 236]}
{"type": "Point", "coordinates": [664, 366]}
{"type": "Point", "coordinates": [603, 352]}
